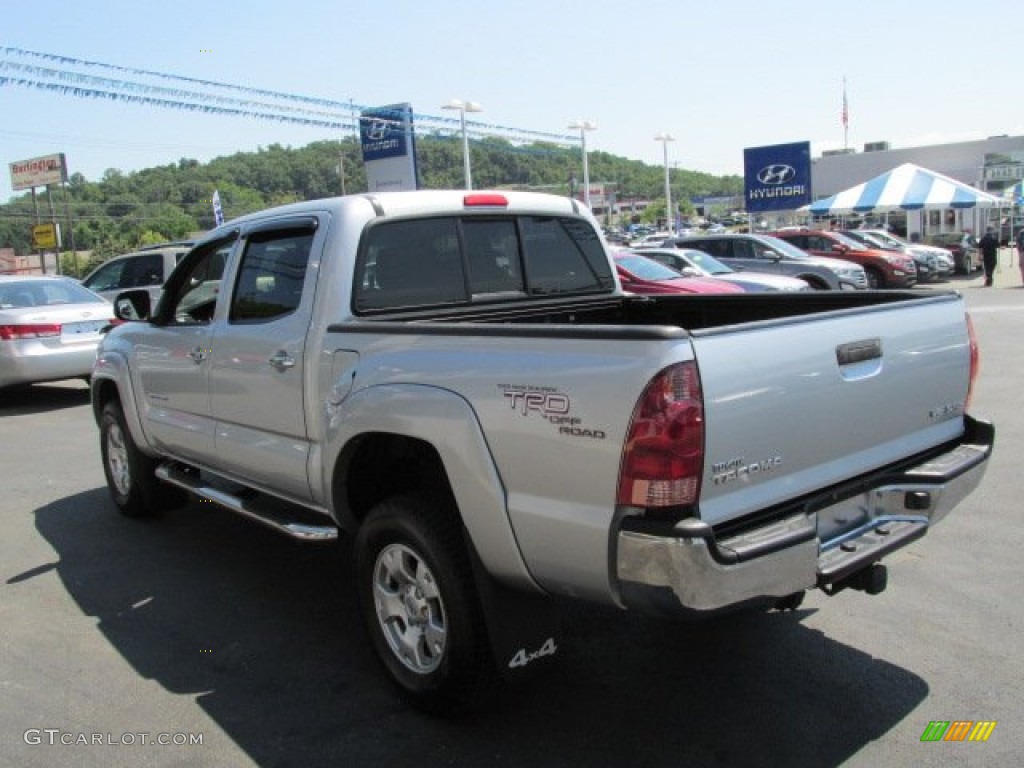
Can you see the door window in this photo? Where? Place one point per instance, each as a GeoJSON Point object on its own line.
{"type": "Point", "coordinates": [107, 277]}
{"type": "Point", "coordinates": [142, 271]}
{"type": "Point", "coordinates": [271, 275]}
{"type": "Point", "coordinates": [191, 296]}
{"type": "Point", "coordinates": [744, 249]}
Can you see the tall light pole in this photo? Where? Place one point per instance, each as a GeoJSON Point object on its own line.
{"type": "Point", "coordinates": [583, 126]}
{"type": "Point", "coordinates": [464, 107]}
{"type": "Point", "coordinates": [665, 138]}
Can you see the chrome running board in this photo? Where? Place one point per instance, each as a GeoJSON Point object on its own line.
{"type": "Point", "coordinates": [268, 510]}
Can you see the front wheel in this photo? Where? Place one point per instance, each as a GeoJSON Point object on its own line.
{"type": "Point", "coordinates": [875, 279]}
{"type": "Point", "coordinates": [419, 602]}
{"type": "Point", "coordinates": [130, 473]}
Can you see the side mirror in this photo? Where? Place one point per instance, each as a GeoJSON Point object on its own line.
{"type": "Point", "coordinates": [690, 272]}
{"type": "Point", "coordinates": [132, 305]}
{"type": "Point", "coordinates": [839, 248]}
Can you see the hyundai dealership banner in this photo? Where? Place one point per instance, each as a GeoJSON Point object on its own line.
{"type": "Point", "coordinates": [777, 178]}
{"type": "Point", "coordinates": [389, 148]}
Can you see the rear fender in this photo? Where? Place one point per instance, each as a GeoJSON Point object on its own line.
{"type": "Point", "coordinates": [446, 421]}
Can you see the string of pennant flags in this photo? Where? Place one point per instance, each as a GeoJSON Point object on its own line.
{"type": "Point", "coordinates": [62, 76]}
{"type": "Point", "coordinates": [68, 82]}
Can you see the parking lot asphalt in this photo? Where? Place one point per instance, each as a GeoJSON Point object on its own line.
{"type": "Point", "coordinates": [117, 632]}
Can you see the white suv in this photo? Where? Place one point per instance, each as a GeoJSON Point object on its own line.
{"type": "Point", "coordinates": [148, 268]}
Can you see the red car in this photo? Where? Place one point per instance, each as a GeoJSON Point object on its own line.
{"type": "Point", "coordinates": [639, 274]}
{"type": "Point", "coordinates": [885, 269]}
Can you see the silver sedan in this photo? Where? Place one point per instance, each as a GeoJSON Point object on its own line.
{"type": "Point", "coordinates": [49, 328]}
{"type": "Point", "coordinates": [692, 261]}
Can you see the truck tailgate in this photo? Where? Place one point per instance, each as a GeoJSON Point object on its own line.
{"type": "Point", "coordinates": [798, 404]}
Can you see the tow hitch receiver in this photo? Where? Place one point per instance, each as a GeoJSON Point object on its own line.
{"type": "Point", "coordinates": [872, 580]}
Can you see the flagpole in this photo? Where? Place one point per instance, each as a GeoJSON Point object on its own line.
{"type": "Point", "coordinates": [846, 118]}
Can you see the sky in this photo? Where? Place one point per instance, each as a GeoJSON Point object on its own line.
{"type": "Point", "coordinates": [718, 76]}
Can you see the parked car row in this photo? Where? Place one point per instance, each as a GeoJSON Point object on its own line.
{"type": "Point", "coordinates": [772, 255]}
{"type": "Point", "coordinates": [884, 269]}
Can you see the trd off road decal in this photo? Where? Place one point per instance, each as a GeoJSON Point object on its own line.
{"type": "Point", "coordinates": [532, 401]}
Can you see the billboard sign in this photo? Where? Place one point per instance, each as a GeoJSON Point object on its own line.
{"type": "Point", "coordinates": [777, 177]}
{"type": "Point", "coordinates": [389, 148]}
{"type": "Point", "coordinates": [38, 172]}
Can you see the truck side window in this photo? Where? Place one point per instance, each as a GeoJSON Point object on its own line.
{"type": "Point", "coordinates": [192, 295]}
{"type": "Point", "coordinates": [271, 275]}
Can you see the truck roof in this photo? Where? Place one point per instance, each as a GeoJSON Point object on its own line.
{"type": "Point", "coordinates": [427, 202]}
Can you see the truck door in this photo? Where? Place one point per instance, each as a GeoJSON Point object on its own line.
{"type": "Point", "coordinates": [257, 358]}
{"type": "Point", "coordinates": [171, 356]}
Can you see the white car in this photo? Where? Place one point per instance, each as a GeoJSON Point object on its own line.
{"type": "Point", "coordinates": [945, 262]}
{"type": "Point", "coordinates": [647, 241]}
{"type": "Point", "coordinates": [49, 329]}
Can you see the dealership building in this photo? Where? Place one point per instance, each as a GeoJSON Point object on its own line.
{"type": "Point", "coordinates": [991, 165]}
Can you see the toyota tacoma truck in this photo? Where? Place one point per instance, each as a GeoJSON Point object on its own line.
{"type": "Point", "coordinates": [458, 383]}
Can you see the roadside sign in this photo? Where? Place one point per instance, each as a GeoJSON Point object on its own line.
{"type": "Point", "coordinates": [389, 147]}
{"type": "Point", "coordinates": [38, 172]}
{"type": "Point", "coordinates": [45, 236]}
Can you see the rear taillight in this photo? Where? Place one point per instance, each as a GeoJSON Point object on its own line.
{"type": "Point", "coordinates": [972, 341]}
{"type": "Point", "coordinates": [36, 331]}
{"type": "Point", "coordinates": [663, 457]}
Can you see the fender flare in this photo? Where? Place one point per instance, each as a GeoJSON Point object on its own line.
{"type": "Point", "coordinates": [446, 421]}
{"type": "Point", "coordinates": [112, 366]}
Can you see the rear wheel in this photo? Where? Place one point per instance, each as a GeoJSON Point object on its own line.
{"type": "Point", "coordinates": [419, 602]}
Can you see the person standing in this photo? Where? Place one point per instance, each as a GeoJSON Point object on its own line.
{"type": "Point", "coordinates": [989, 245]}
{"type": "Point", "coordinates": [1020, 253]}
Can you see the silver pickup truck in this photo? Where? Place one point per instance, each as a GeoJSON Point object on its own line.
{"type": "Point", "coordinates": [458, 380]}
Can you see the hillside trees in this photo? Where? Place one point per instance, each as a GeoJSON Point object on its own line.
{"type": "Point", "coordinates": [123, 210]}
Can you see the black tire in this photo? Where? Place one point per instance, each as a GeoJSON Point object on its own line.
{"type": "Point", "coordinates": [875, 278]}
{"type": "Point", "coordinates": [419, 602]}
{"type": "Point", "coordinates": [130, 473]}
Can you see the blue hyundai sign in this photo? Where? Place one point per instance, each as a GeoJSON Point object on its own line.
{"type": "Point", "coordinates": [777, 177]}
{"type": "Point", "coordinates": [389, 147]}
{"type": "Point", "coordinates": [383, 131]}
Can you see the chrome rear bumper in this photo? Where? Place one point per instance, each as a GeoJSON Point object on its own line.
{"type": "Point", "coordinates": [690, 568]}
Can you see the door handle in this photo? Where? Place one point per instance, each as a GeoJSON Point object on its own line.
{"type": "Point", "coordinates": [281, 361]}
{"type": "Point", "coordinates": [198, 354]}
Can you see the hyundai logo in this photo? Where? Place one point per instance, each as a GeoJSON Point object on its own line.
{"type": "Point", "coordinates": [376, 130]}
{"type": "Point", "coordinates": [778, 173]}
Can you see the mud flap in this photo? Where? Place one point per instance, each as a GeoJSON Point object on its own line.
{"type": "Point", "coordinates": [523, 627]}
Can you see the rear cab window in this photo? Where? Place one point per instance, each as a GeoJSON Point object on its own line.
{"type": "Point", "coordinates": [461, 260]}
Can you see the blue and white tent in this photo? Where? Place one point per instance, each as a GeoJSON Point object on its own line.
{"type": "Point", "coordinates": [908, 187]}
{"type": "Point", "coordinates": [1015, 194]}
